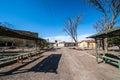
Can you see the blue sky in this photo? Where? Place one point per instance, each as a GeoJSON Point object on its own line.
{"type": "Point", "coordinates": [47, 16]}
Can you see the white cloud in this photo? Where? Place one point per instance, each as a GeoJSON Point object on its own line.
{"type": "Point", "coordinates": [83, 37]}
{"type": "Point", "coordinates": [59, 38]}
{"type": "Point", "coordinates": [66, 38]}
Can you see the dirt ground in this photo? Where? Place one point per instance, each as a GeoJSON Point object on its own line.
{"type": "Point", "coordinates": [60, 64]}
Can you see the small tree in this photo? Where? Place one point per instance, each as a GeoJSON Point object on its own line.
{"type": "Point", "coordinates": [71, 26]}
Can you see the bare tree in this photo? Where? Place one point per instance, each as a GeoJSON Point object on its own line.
{"type": "Point", "coordinates": [100, 25]}
{"type": "Point", "coordinates": [110, 10]}
{"type": "Point", "coordinates": [71, 26]}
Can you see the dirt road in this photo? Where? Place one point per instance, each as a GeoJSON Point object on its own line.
{"type": "Point", "coordinates": [61, 64]}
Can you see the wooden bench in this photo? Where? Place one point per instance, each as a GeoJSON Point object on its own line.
{"type": "Point", "coordinates": [112, 59]}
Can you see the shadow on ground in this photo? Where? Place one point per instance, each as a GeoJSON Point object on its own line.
{"type": "Point", "coordinates": [49, 64]}
{"type": "Point", "coordinates": [113, 63]}
{"type": "Point", "coordinates": [12, 71]}
{"type": "Point", "coordinates": [110, 62]}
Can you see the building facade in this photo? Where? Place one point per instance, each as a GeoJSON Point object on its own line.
{"type": "Point", "coordinates": [86, 44]}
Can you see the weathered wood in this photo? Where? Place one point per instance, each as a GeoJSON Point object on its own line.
{"type": "Point", "coordinates": [96, 43]}
{"type": "Point", "coordinates": [106, 34]}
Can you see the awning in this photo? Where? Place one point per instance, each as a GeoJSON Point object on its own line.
{"type": "Point", "coordinates": [108, 33]}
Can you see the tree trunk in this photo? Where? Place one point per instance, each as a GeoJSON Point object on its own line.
{"type": "Point", "coordinates": [76, 44]}
{"type": "Point", "coordinates": [106, 45]}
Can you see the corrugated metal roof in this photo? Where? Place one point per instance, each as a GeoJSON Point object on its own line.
{"type": "Point", "coordinates": [108, 33]}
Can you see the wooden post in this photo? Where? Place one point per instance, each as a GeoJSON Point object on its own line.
{"type": "Point", "coordinates": [23, 46]}
{"type": "Point", "coordinates": [103, 50]}
{"type": "Point", "coordinates": [35, 48]}
{"type": "Point", "coordinates": [97, 56]}
{"type": "Point", "coordinates": [119, 66]}
{"type": "Point", "coordinates": [29, 56]}
{"type": "Point", "coordinates": [36, 45]}
{"type": "Point", "coordinates": [20, 59]}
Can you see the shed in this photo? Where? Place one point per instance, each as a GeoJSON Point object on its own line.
{"type": "Point", "coordinates": [101, 36]}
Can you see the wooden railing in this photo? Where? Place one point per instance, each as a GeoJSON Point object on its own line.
{"type": "Point", "coordinates": [20, 56]}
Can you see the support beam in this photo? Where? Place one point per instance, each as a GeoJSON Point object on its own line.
{"type": "Point", "coordinates": [119, 66]}
{"type": "Point", "coordinates": [97, 56]}
{"type": "Point", "coordinates": [103, 49]}
{"type": "Point", "coordinates": [36, 45]}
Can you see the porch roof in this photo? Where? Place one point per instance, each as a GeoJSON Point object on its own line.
{"type": "Point", "coordinates": [108, 33]}
{"type": "Point", "coordinates": [17, 34]}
